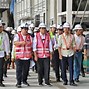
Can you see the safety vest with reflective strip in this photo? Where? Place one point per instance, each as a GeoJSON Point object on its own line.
{"type": "Point", "coordinates": [68, 44]}
{"type": "Point", "coordinates": [43, 47]}
{"type": "Point", "coordinates": [24, 51]}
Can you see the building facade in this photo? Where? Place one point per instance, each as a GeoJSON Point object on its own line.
{"type": "Point", "coordinates": [73, 11]}
{"type": "Point", "coordinates": [35, 11]}
{"type": "Point", "coordinates": [4, 6]}
{"type": "Point", "coordinates": [51, 11]}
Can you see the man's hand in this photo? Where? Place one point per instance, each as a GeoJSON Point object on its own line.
{"type": "Point", "coordinates": [60, 57]}
{"type": "Point", "coordinates": [23, 43]}
{"type": "Point", "coordinates": [7, 57]}
{"type": "Point", "coordinates": [85, 57]}
{"type": "Point", "coordinates": [36, 58]}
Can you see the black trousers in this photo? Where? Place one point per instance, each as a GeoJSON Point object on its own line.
{"type": "Point", "coordinates": [57, 64]}
{"type": "Point", "coordinates": [82, 69]}
{"type": "Point", "coordinates": [5, 67]}
{"type": "Point", "coordinates": [43, 65]}
{"type": "Point", "coordinates": [1, 69]}
{"type": "Point", "coordinates": [22, 69]}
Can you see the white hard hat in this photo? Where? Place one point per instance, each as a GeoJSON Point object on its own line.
{"type": "Point", "coordinates": [59, 27]}
{"type": "Point", "coordinates": [54, 26]}
{"type": "Point", "coordinates": [42, 25]}
{"type": "Point", "coordinates": [66, 25]}
{"type": "Point", "coordinates": [9, 29]}
{"type": "Point", "coordinates": [30, 31]}
{"type": "Point", "coordinates": [36, 29]}
{"type": "Point", "coordinates": [19, 29]}
{"type": "Point", "coordinates": [50, 26]}
{"type": "Point", "coordinates": [1, 24]}
{"type": "Point", "coordinates": [32, 25]}
{"type": "Point", "coordinates": [78, 26]}
{"type": "Point", "coordinates": [24, 25]}
{"type": "Point", "coordinates": [13, 32]}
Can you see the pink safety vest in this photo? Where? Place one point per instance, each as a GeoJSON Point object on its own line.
{"type": "Point", "coordinates": [24, 51]}
{"type": "Point", "coordinates": [43, 47]}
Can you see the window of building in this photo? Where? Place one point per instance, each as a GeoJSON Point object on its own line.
{"type": "Point", "coordinates": [82, 5]}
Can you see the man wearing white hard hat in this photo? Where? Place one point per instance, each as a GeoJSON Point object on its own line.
{"type": "Point", "coordinates": [18, 29]}
{"type": "Point", "coordinates": [52, 36]}
{"type": "Point", "coordinates": [66, 45]}
{"type": "Point", "coordinates": [86, 53]}
{"type": "Point", "coordinates": [4, 47]}
{"type": "Point", "coordinates": [31, 29]}
{"type": "Point", "coordinates": [8, 31]}
{"type": "Point", "coordinates": [23, 54]}
{"type": "Point", "coordinates": [42, 48]}
{"type": "Point", "coordinates": [79, 40]}
{"type": "Point", "coordinates": [13, 32]}
{"type": "Point", "coordinates": [56, 61]}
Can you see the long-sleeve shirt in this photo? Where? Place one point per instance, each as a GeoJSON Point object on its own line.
{"type": "Point", "coordinates": [4, 46]}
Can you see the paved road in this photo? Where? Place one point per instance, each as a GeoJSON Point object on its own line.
{"type": "Point", "coordinates": [10, 82]}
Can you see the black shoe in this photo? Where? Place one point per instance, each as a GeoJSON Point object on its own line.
{"type": "Point", "coordinates": [73, 84]}
{"type": "Point", "coordinates": [41, 84]}
{"type": "Point", "coordinates": [2, 79]}
{"type": "Point", "coordinates": [5, 75]}
{"type": "Point", "coordinates": [65, 83]}
{"type": "Point", "coordinates": [58, 80]}
{"type": "Point", "coordinates": [26, 83]}
{"type": "Point", "coordinates": [48, 84]}
{"type": "Point", "coordinates": [2, 85]}
{"type": "Point", "coordinates": [83, 74]}
{"type": "Point", "coordinates": [77, 80]}
{"type": "Point", "coordinates": [18, 86]}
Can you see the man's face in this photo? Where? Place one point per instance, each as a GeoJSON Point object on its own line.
{"type": "Point", "coordinates": [60, 31]}
{"type": "Point", "coordinates": [79, 31]}
{"type": "Point", "coordinates": [1, 29]}
{"type": "Point", "coordinates": [24, 31]}
{"type": "Point", "coordinates": [43, 30]}
{"type": "Point", "coordinates": [53, 29]}
{"type": "Point", "coordinates": [66, 30]}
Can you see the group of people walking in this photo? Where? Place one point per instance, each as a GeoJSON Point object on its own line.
{"type": "Point", "coordinates": [57, 46]}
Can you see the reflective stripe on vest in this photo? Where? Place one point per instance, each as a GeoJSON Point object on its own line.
{"type": "Point", "coordinates": [43, 47]}
{"type": "Point", "coordinates": [24, 51]}
{"type": "Point", "coordinates": [68, 44]}
{"type": "Point", "coordinates": [1, 40]}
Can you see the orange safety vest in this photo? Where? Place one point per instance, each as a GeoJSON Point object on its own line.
{"type": "Point", "coordinates": [24, 51]}
{"type": "Point", "coordinates": [43, 47]}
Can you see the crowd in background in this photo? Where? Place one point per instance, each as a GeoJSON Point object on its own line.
{"type": "Point", "coordinates": [59, 47]}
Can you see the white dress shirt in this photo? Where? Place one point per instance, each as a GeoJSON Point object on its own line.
{"type": "Point", "coordinates": [35, 43]}
{"type": "Point", "coordinates": [5, 46]}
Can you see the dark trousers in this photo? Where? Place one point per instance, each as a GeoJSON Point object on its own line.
{"type": "Point", "coordinates": [1, 69]}
{"type": "Point", "coordinates": [67, 61]}
{"type": "Point", "coordinates": [22, 69]}
{"type": "Point", "coordinates": [57, 64]}
{"type": "Point", "coordinates": [43, 69]}
{"type": "Point", "coordinates": [5, 67]}
{"type": "Point", "coordinates": [82, 69]}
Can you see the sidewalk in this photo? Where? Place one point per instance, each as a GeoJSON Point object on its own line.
{"type": "Point", "coordinates": [10, 82]}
